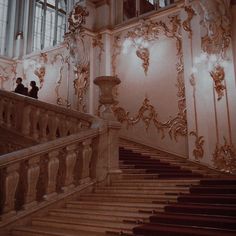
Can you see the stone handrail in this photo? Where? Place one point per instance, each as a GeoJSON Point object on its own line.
{"type": "Point", "coordinates": [74, 150]}
{"type": "Point", "coordinates": [33, 175]}
{"type": "Point", "coordinates": [38, 120]}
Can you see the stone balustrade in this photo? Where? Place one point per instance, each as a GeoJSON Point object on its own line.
{"type": "Point", "coordinates": [38, 120]}
{"type": "Point", "coordinates": [31, 176]}
{"type": "Point", "coordinates": [72, 149]}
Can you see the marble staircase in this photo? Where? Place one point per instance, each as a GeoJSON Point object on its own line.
{"type": "Point", "coordinates": [126, 203]}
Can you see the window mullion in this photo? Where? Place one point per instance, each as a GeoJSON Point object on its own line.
{"type": "Point", "coordinates": [56, 22]}
{"type": "Point", "coordinates": [43, 24]}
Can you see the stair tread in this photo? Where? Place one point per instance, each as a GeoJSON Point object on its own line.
{"type": "Point", "coordinates": [93, 223]}
{"type": "Point", "coordinates": [50, 231]}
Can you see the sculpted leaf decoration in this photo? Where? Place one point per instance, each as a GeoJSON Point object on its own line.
{"type": "Point", "coordinates": [198, 152]}
{"type": "Point", "coordinates": [147, 114]}
{"type": "Point", "coordinates": [224, 157]}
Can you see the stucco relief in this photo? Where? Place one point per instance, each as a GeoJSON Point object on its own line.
{"type": "Point", "coordinates": [97, 43]}
{"type": "Point", "coordinates": [7, 72]}
{"type": "Point", "coordinates": [217, 22]}
{"type": "Point", "coordinates": [40, 70]}
{"type": "Point", "coordinates": [148, 114]}
{"type": "Point", "coordinates": [79, 51]}
{"type": "Point", "coordinates": [62, 60]}
{"type": "Point", "coordinates": [224, 157]}
{"type": "Point", "coordinates": [187, 23]}
{"type": "Point", "coordinates": [150, 32]}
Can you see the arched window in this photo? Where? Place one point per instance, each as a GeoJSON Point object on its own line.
{"type": "Point", "coordinates": [3, 25]}
{"type": "Point", "coordinates": [50, 23]}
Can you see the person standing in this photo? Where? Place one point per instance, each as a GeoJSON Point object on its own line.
{"type": "Point", "coordinates": [34, 90]}
{"type": "Point", "coordinates": [20, 88]}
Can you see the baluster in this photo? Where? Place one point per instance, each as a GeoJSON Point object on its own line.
{"type": "Point", "coordinates": [26, 122]}
{"type": "Point", "coordinates": [8, 115]}
{"type": "Point", "coordinates": [53, 124]}
{"type": "Point", "coordinates": [11, 183]}
{"type": "Point", "coordinates": [84, 162]}
{"type": "Point", "coordinates": [62, 126]}
{"type": "Point", "coordinates": [34, 119]}
{"type": "Point", "coordinates": [70, 161]}
{"type": "Point", "coordinates": [53, 166]}
{"type": "Point", "coordinates": [43, 123]}
{"type": "Point", "coordinates": [32, 179]}
{"type": "Point", "coordinates": [1, 110]}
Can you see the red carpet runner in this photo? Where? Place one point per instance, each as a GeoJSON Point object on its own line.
{"type": "Point", "coordinates": [209, 209]}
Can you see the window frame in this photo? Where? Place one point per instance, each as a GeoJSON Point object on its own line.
{"type": "Point", "coordinates": [45, 8]}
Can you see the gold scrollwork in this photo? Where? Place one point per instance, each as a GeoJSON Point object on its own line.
{"type": "Point", "coordinates": [97, 42]}
{"type": "Point", "coordinates": [143, 54]}
{"type": "Point", "coordinates": [218, 76]}
{"type": "Point", "coordinates": [198, 152]}
{"type": "Point", "coordinates": [40, 73]}
{"type": "Point", "coordinates": [76, 18]}
{"type": "Point", "coordinates": [41, 70]}
{"type": "Point", "coordinates": [81, 84]}
{"type": "Point", "coordinates": [217, 21]}
{"type": "Point", "coordinates": [149, 32]}
{"type": "Point", "coordinates": [187, 23]}
{"type": "Point", "coordinates": [147, 114]}
{"type": "Point", "coordinates": [116, 52]}
{"type": "Point", "coordinates": [224, 157]}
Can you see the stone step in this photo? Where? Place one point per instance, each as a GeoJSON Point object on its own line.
{"type": "Point", "coordinates": [133, 171]}
{"type": "Point", "coordinates": [162, 198]}
{"type": "Point", "coordinates": [139, 176]}
{"type": "Point", "coordinates": [99, 226]}
{"type": "Point", "coordinates": [50, 231]}
{"type": "Point", "coordinates": [161, 182]}
{"type": "Point", "coordinates": [115, 206]}
{"type": "Point", "coordinates": [108, 215]}
{"type": "Point", "coordinates": [150, 191]}
{"type": "Point", "coordinates": [141, 188]}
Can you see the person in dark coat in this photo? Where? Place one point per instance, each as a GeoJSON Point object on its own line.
{"type": "Point", "coordinates": [20, 88]}
{"type": "Point", "coordinates": [34, 90]}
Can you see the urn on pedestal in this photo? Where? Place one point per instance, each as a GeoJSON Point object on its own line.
{"type": "Point", "coordinates": [106, 85]}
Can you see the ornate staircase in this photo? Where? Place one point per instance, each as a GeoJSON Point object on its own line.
{"type": "Point", "coordinates": [156, 194]}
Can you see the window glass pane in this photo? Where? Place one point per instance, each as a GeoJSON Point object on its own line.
{"type": "Point", "coordinates": [50, 23]}
{"type": "Point", "coordinates": [49, 27]}
{"type": "Point", "coordinates": [51, 2]}
{"type": "Point", "coordinates": [3, 24]}
{"type": "Point", "coordinates": [61, 27]}
{"type": "Point", "coordinates": [38, 20]}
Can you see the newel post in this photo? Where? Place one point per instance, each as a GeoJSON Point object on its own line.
{"type": "Point", "coordinates": [108, 144]}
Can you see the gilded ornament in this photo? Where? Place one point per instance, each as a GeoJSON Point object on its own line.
{"type": "Point", "coordinates": [149, 31]}
{"type": "Point", "coordinates": [148, 114]}
{"type": "Point", "coordinates": [116, 52]}
{"type": "Point", "coordinates": [143, 54]}
{"type": "Point", "coordinates": [81, 84]}
{"type": "Point", "coordinates": [217, 22]}
{"type": "Point", "coordinates": [40, 73]}
{"type": "Point", "coordinates": [198, 152]}
{"type": "Point", "coordinates": [187, 23]}
{"type": "Point", "coordinates": [79, 52]}
{"type": "Point", "coordinates": [218, 76]}
{"type": "Point", "coordinates": [97, 42]}
{"type": "Point", "coordinates": [76, 18]}
{"type": "Point", "coordinates": [224, 157]}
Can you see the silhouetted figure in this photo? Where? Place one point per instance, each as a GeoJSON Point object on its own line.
{"type": "Point", "coordinates": [34, 90]}
{"type": "Point", "coordinates": [20, 87]}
